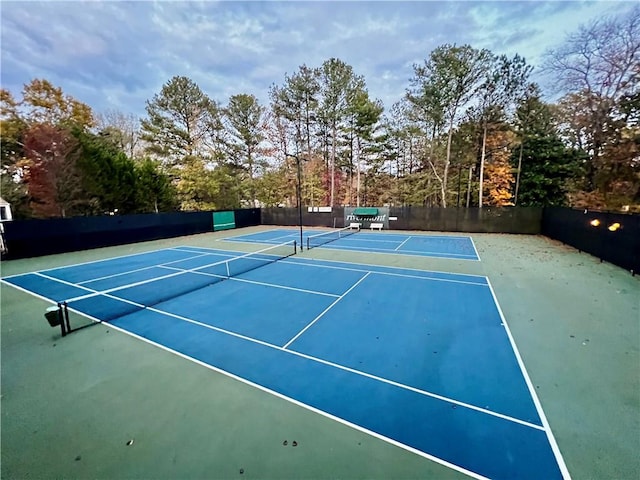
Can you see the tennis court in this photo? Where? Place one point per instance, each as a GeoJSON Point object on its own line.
{"type": "Point", "coordinates": [440, 246]}
{"type": "Point", "coordinates": [423, 360]}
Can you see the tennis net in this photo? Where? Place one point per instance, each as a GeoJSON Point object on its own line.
{"type": "Point", "coordinates": [117, 302]}
{"type": "Point", "coordinates": [324, 238]}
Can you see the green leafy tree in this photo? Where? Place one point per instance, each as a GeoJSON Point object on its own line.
{"type": "Point", "coordinates": [245, 117]}
{"type": "Point", "coordinates": [271, 187]}
{"type": "Point", "coordinates": [12, 158]}
{"type": "Point", "coordinates": [295, 105]}
{"type": "Point", "coordinates": [108, 176]}
{"type": "Point", "coordinates": [363, 116]}
{"type": "Point", "coordinates": [443, 85]}
{"type": "Point", "coordinates": [336, 79]}
{"type": "Point", "coordinates": [533, 119]}
{"type": "Point", "coordinates": [198, 186]}
{"type": "Point", "coordinates": [181, 121]}
{"type": "Point", "coordinates": [547, 168]}
{"type": "Point", "coordinates": [154, 191]}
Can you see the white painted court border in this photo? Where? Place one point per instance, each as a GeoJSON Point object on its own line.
{"type": "Point", "coordinates": [545, 427]}
{"type": "Point", "coordinates": [404, 238]}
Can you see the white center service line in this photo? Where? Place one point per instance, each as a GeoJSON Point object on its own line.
{"type": "Point", "coordinates": [325, 311]}
{"type": "Point", "coordinates": [398, 247]}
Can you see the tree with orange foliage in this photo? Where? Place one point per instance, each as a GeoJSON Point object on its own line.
{"type": "Point", "coordinates": [498, 173]}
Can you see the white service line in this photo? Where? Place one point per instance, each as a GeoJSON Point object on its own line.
{"type": "Point", "coordinates": [144, 268]}
{"type": "Point", "coordinates": [162, 277]}
{"type": "Point", "coordinates": [413, 253]}
{"type": "Point", "coordinates": [392, 274]}
{"type": "Point", "coordinates": [213, 251]}
{"type": "Point", "coordinates": [294, 235]}
{"type": "Point", "coordinates": [255, 282]}
{"type": "Point", "coordinates": [44, 275]}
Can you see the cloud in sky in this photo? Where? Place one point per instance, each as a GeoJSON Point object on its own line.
{"type": "Point", "coordinates": [118, 54]}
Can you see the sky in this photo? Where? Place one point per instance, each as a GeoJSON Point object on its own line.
{"type": "Point", "coordinates": [116, 55]}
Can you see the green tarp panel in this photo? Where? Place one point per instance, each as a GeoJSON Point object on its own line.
{"type": "Point", "coordinates": [365, 212]}
{"type": "Point", "coordinates": [224, 220]}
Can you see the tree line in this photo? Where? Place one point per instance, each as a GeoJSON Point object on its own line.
{"type": "Point", "coordinates": [472, 129]}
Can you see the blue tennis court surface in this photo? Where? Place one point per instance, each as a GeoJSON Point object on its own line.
{"type": "Point", "coordinates": [442, 246]}
{"type": "Point", "coordinates": [423, 360]}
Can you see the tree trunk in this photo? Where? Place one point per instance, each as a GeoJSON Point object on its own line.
{"type": "Point", "coordinates": [332, 166]}
{"type": "Point", "coordinates": [351, 167]}
{"type": "Point", "coordinates": [443, 184]}
{"type": "Point", "coordinates": [482, 157]}
{"type": "Point", "coordinates": [358, 172]}
{"type": "Point", "coordinates": [515, 201]}
{"type": "Point", "coordinates": [469, 186]}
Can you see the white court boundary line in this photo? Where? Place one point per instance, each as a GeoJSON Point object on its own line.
{"type": "Point", "coordinates": [474, 248]}
{"type": "Point", "coordinates": [91, 261]}
{"type": "Point", "coordinates": [362, 237]}
{"type": "Point", "coordinates": [545, 428]}
{"type": "Point", "coordinates": [532, 391]}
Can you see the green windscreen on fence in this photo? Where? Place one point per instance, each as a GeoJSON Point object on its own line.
{"type": "Point", "coordinates": [365, 212]}
{"type": "Point", "coordinates": [224, 220]}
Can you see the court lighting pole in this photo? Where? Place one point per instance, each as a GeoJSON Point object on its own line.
{"type": "Point", "coordinates": [298, 195]}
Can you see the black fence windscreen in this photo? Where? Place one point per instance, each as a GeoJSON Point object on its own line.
{"type": "Point", "coordinates": [612, 237]}
{"type": "Point", "coordinates": [291, 217]}
{"type": "Point", "coordinates": [248, 217]}
{"type": "Point", "coordinates": [523, 220]}
{"type": "Point", "coordinates": [32, 238]}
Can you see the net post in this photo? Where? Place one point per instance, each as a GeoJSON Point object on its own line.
{"type": "Point", "coordinates": [295, 247]}
{"type": "Point", "coordinates": [308, 244]}
{"type": "Point", "coordinates": [66, 316]}
{"type": "Point", "coordinates": [63, 326]}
